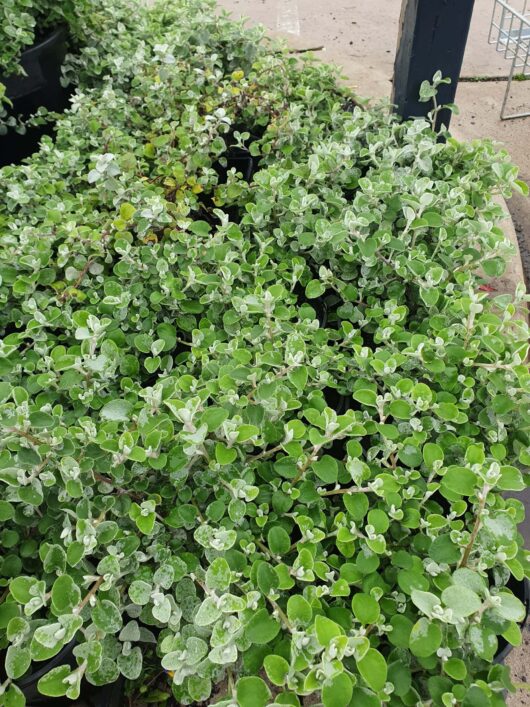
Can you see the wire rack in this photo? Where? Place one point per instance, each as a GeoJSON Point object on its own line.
{"type": "Point", "coordinates": [510, 33]}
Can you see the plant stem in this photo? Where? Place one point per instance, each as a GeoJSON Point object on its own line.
{"type": "Point", "coordinates": [476, 527]}
{"type": "Point", "coordinates": [310, 459]}
{"type": "Point", "coordinates": [351, 489]}
{"type": "Point", "coordinates": [67, 292]}
{"type": "Point", "coordinates": [281, 614]}
{"type": "Point", "coordinates": [89, 595]}
{"type": "Point", "coordinates": [26, 435]}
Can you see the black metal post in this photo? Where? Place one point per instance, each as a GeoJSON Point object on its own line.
{"type": "Point", "coordinates": [432, 37]}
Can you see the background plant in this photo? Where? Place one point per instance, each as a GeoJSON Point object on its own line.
{"type": "Point", "coordinates": [175, 473]}
{"type": "Point", "coordinates": [24, 21]}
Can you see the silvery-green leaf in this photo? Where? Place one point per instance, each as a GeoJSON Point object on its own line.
{"type": "Point", "coordinates": [131, 665]}
{"type": "Point", "coordinates": [223, 655]}
{"type": "Point", "coordinates": [162, 610]}
{"type": "Point", "coordinates": [230, 603]}
{"type": "Point", "coordinates": [425, 601]}
{"type": "Point", "coordinates": [140, 592]}
{"type": "Point", "coordinates": [17, 661]}
{"type": "Point", "coordinates": [130, 632]}
{"type": "Point", "coordinates": [164, 576]}
{"type": "Point", "coordinates": [208, 613]}
{"type": "Point", "coordinates": [218, 575]}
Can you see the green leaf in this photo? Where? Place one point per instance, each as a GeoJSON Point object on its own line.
{"type": "Point", "coordinates": [267, 578]}
{"type": "Point", "coordinates": [483, 641]}
{"type": "Point", "coordinates": [20, 588]}
{"type": "Point", "coordinates": [53, 683]}
{"type": "Point", "coordinates": [400, 409]}
{"type": "Point", "coordinates": [401, 629]}
{"type": "Point", "coordinates": [106, 616]}
{"type": "Point", "coordinates": [425, 638]}
{"type": "Point", "coordinates": [513, 634]}
{"type": "Point", "coordinates": [511, 608]}
{"type": "Point", "coordinates": [146, 523]}
{"type": "Point", "coordinates": [314, 289]}
{"type": "Point", "coordinates": [225, 455]}
{"type": "Point", "coordinates": [425, 601]}
{"type": "Point", "coordinates": [7, 511]}
{"type": "Point", "coordinates": [523, 187]}
{"type": "Point", "coordinates": [326, 630]}
{"type": "Point", "coordinates": [41, 420]}
{"type": "Point", "coordinates": [208, 612]}
{"type": "Point", "coordinates": [278, 541]}
{"type": "Point", "coordinates": [127, 211]}
{"type": "Point", "coordinates": [470, 579]}
{"type": "Point", "coordinates": [363, 697]}
{"type": "Point", "coordinates": [65, 594]}
{"type": "Point", "coordinates": [252, 692]}
{"type": "Point", "coordinates": [262, 628]}
{"type": "Point", "coordinates": [130, 665]}
{"type": "Point", "coordinates": [455, 668]}
{"type": "Point", "coordinates": [432, 453]}
{"type": "Point", "coordinates": [365, 396]}
{"type": "Point", "coordinates": [116, 410]}
{"type": "Point", "coordinates": [299, 377]}
{"type": "Point", "coordinates": [373, 669]}
{"type": "Point", "coordinates": [433, 218]}
{"type": "Point", "coordinates": [17, 661]}
{"type": "Point", "coordinates": [140, 592]}
{"type": "Point", "coordinates": [460, 480]}
{"type": "Point", "coordinates": [326, 468]}
{"type": "Point", "coordinates": [14, 697]}
{"type": "Point", "coordinates": [430, 296]}
{"type": "Point", "coordinates": [461, 600]}
{"type": "Point", "coordinates": [511, 479]}
{"type": "Point", "coordinates": [399, 674]}
{"type": "Point", "coordinates": [443, 550]}
{"type": "Point", "coordinates": [337, 692]}
{"type": "Point", "coordinates": [276, 668]}
{"type": "Point", "coordinates": [299, 610]}
{"type": "Point", "coordinates": [218, 575]}
{"type": "Point", "coordinates": [365, 608]}
{"type": "Point", "coordinates": [246, 432]}
{"type": "Point", "coordinates": [213, 418]}
{"type": "Point", "coordinates": [447, 411]}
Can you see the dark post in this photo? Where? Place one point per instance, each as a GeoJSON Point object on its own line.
{"type": "Point", "coordinates": [432, 37]}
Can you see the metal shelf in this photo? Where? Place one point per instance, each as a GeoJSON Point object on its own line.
{"type": "Point", "coordinates": [510, 33]}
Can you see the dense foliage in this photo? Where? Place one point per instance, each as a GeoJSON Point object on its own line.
{"type": "Point", "coordinates": [24, 21]}
{"type": "Point", "coordinates": [257, 432]}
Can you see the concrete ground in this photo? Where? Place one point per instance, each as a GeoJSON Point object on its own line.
{"type": "Point", "coordinates": [360, 36]}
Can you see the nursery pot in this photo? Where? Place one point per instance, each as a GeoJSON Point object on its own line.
{"type": "Point", "coordinates": [105, 696]}
{"type": "Point", "coordinates": [40, 87]}
{"type": "Point", "coordinates": [241, 159]}
{"type": "Point", "coordinates": [521, 589]}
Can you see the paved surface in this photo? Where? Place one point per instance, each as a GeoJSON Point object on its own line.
{"type": "Point", "coordinates": [360, 36]}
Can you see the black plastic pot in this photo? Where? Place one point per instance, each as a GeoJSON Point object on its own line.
{"type": "Point", "coordinates": [241, 159]}
{"type": "Point", "coordinates": [41, 87]}
{"type": "Point", "coordinates": [339, 402]}
{"type": "Point", "coordinates": [521, 589]}
{"type": "Point", "coordinates": [106, 696]}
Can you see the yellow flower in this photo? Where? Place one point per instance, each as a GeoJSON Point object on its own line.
{"type": "Point", "coordinates": [237, 75]}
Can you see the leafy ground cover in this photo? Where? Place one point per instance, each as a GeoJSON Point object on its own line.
{"type": "Point", "coordinates": [179, 495]}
